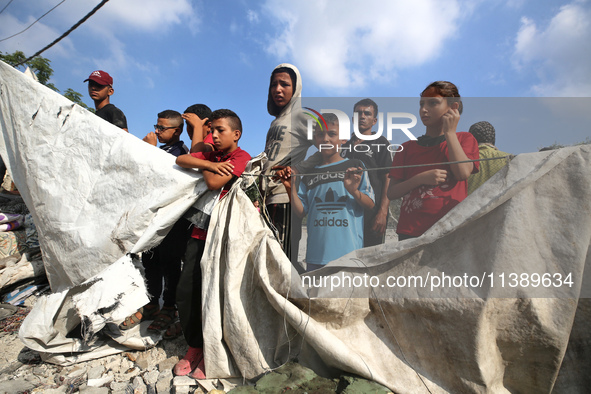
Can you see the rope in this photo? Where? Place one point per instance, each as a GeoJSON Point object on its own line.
{"type": "Point", "coordinates": [81, 21]}
{"type": "Point", "coordinates": [388, 168]}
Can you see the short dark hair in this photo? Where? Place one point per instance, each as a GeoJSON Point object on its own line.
{"type": "Point", "coordinates": [201, 110]}
{"type": "Point", "coordinates": [448, 90]}
{"type": "Point", "coordinates": [367, 102]}
{"type": "Point", "coordinates": [290, 72]}
{"type": "Point", "coordinates": [233, 119]}
{"type": "Point", "coordinates": [172, 115]}
{"type": "Point", "coordinates": [329, 118]}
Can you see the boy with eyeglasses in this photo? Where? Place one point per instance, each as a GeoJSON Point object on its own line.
{"type": "Point", "coordinates": [100, 89]}
{"type": "Point", "coordinates": [164, 261]}
{"type": "Point", "coordinates": [167, 131]}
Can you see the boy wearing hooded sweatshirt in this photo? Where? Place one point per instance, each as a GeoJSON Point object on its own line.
{"type": "Point", "coordinates": [286, 144]}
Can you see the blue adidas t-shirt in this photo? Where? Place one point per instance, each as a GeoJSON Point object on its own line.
{"type": "Point", "coordinates": [335, 219]}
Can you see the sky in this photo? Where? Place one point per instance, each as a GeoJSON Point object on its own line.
{"type": "Point", "coordinates": [169, 55]}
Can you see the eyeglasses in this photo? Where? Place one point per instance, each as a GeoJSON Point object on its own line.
{"type": "Point", "coordinates": [159, 128]}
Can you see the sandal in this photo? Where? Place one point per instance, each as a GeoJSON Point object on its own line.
{"type": "Point", "coordinates": [132, 320]}
{"type": "Point", "coordinates": [199, 372]}
{"type": "Point", "coordinates": [163, 320]}
{"type": "Point", "coordinates": [150, 312]}
{"type": "Point", "coordinates": [173, 331]}
{"type": "Point", "coordinates": [191, 360]}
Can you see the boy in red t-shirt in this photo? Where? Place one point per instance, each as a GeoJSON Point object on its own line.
{"type": "Point", "coordinates": [431, 191]}
{"type": "Point", "coordinates": [220, 169]}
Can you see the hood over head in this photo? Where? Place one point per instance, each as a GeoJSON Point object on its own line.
{"type": "Point", "coordinates": [297, 92]}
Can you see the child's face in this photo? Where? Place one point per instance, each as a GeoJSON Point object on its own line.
{"type": "Point", "coordinates": [281, 89]}
{"type": "Point", "coordinates": [169, 132]}
{"type": "Point", "coordinates": [432, 107]}
{"type": "Point", "coordinates": [99, 92]}
{"type": "Point", "coordinates": [224, 138]}
{"type": "Point", "coordinates": [327, 141]}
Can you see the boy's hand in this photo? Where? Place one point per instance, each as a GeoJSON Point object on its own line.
{"type": "Point", "coordinates": [195, 121]}
{"type": "Point", "coordinates": [284, 174]}
{"type": "Point", "coordinates": [451, 119]}
{"type": "Point", "coordinates": [353, 179]}
{"type": "Point", "coordinates": [433, 177]}
{"type": "Point", "coordinates": [223, 168]}
{"type": "Point", "coordinates": [151, 139]}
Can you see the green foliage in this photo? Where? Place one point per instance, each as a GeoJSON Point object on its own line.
{"type": "Point", "coordinates": [76, 97]}
{"type": "Point", "coordinates": [42, 68]}
{"type": "Point", "coordinates": [39, 65]}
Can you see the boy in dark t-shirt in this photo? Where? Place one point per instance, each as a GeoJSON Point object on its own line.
{"type": "Point", "coordinates": [374, 154]}
{"type": "Point", "coordinates": [100, 88]}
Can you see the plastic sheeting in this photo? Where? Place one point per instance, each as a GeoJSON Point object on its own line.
{"type": "Point", "coordinates": [96, 194]}
{"type": "Point", "coordinates": [534, 216]}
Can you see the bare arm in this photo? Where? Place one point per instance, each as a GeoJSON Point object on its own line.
{"type": "Point", "coordinates": [352, 181]}
{"type": "Point", "coordinates": [286, 175]}
{"type": "Point", "coordinates": [379, 224]}
{"type": "Point", "coordinates": [461, 171]}
{"type": "Point", "coordinates": [397, 188]}
{"type": "Point", "coordinates": [216, 175]}
{"type": "Point", "coordinates": [197, 144]}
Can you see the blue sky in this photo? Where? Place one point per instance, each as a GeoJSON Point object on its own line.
{"type": "Point", "coordinates": [171, 54]}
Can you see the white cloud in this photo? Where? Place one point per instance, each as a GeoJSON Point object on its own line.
{"type": "Point", "coordinates": [348, 44]}
{"type": "Point", "coordinates": [559, 54]}
{"type": "Point", "coordinates": [112, 22]}
{"type": "Point", "coordinates": [31, 40]}
{"type": "Point", "coordinates": [252, 16]}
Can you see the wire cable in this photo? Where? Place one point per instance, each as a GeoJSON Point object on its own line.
{"type": "Point", "coordinates": [81, 21]}
{"type": "Point", "coordinates": [2, 10]}
{"type": "Point", "coordinates": [27, 28]}
{"type": "Point", "coordinates": [389, 168]}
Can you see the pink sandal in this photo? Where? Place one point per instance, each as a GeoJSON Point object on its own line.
{"type": "Point", "coordinates": [199, 372]}
{"type": "Point", "coordinates": [192, 360]}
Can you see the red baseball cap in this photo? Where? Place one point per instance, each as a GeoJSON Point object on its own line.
{"type": "Point", "coordinates": [101, 77]}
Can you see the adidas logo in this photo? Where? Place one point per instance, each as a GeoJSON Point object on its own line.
{"type": "Point", "coordinates": [329, 205]}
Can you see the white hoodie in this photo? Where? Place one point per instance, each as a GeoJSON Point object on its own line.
{"type": "Point", "coordinates": [287, 141]}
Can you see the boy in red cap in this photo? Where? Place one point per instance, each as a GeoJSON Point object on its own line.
{"type": "Point", "coordinates": [100, 88]}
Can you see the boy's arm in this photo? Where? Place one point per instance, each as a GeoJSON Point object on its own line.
{"type": "Point", "coordinates": [352, 181]}
{"type": "Point", "coordinates": [455, 151]}
{"type": "Point", "coordinates": [216, 175]}
{"type": "Point", "coordinates": [398, 188]}
{"type": "Point", "coordinates": [285, 174]}
{"type": "Point", "coordinates": [197, 143]}
{"type": "Point", "coordinates": [379, 224]}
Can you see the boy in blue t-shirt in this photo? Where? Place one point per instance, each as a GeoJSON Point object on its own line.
{"type": "Point", "coordinates": [334, 200]}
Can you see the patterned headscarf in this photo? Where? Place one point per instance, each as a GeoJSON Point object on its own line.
{"type": "Point", "coordinates": [484, 132]}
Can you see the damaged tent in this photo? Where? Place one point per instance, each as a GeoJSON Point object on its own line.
{"type": "Point", "coordinates": [98, 194]}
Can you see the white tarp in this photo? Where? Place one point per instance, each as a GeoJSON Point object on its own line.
{"type": "Point", "coordinates": [533, 217]}
{"type": "Point", "coordinates": [96, 191]}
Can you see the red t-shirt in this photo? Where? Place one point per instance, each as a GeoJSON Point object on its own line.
{"type": "Point", "coordinates": [239, 158]}
{"type": "Point", "coordinates": [426, 204]}
{"type": "Point", "coordinates": [208, 139]}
